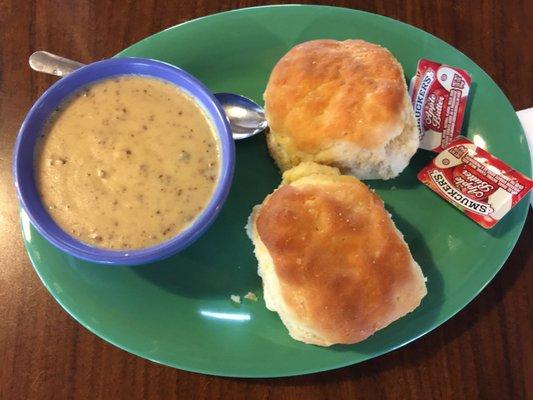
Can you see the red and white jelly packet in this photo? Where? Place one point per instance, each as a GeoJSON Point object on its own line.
{"type": "Point", "coordinates": [439, 94]}
{"type": "Point", "coordinates": [475, 181]}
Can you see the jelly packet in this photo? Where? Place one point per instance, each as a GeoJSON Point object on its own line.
{"type": "Point", "coordinates": [439, 95]}
{"type": "Point", "coordinates": [476, 182]}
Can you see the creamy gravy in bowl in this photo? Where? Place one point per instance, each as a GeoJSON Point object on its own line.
{"type": "Point", "coordinates": [126, 163]}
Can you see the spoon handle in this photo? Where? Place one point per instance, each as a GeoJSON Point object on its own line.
{"type": "Point", "coordinates": [42, 61]}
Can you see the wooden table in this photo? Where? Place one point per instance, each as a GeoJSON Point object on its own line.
{"type": "Point", "coordinates": [482, 353]}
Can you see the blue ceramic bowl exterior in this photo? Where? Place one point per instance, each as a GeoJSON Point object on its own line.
{"type": "Point", "coordinates": [39, 114]}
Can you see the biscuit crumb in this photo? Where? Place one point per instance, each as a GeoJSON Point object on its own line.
{"type": "Point", "coordinates": [250, 296]}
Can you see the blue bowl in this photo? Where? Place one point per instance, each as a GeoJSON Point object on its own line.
{"type": "Point", "coordinates": [40, 113]}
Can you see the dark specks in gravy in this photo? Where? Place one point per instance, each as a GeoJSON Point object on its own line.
{"type": "Point", "coordinates": [127, 163]}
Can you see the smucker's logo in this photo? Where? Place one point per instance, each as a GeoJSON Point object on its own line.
{"type": "Point", "coordinates": [457, 197]}
{"type": "Point", "coordinates": [420, 99]}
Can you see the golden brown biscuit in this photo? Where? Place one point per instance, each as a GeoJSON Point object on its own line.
{"type": "Point", "coordinates": [333, 264]}
{"type": "Point", "coordinates": [343, 104]}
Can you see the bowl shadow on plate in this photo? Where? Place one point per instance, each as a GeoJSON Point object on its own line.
{"type": "Point", "coordinates": [222, 262]}
{"type": "Point", "coordinates": [427, 312]}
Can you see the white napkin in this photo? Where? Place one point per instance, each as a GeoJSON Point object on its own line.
{"type": "Point", "coordinates": [526, 119]}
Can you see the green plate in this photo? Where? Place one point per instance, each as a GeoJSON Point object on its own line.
{"type": "Point", "coordinates": [178, 312]}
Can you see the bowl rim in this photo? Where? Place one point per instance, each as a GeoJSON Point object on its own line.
{"type": "Point", "coordinates": [66, 87]}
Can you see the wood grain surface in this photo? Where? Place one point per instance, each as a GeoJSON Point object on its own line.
{"type": "Point", "coordinates": [482, 353]}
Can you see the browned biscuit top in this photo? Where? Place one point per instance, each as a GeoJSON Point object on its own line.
{"type": "Point", "coordinates": [325, 90]}
{"type": "Point", "coordinates": [342, 267]}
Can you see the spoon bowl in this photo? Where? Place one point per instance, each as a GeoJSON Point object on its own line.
{"type": "Point", "coordinates": [245, 116]}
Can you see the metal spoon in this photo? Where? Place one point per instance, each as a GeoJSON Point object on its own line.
{"type": "Point", "coordinates": [246, 117]}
